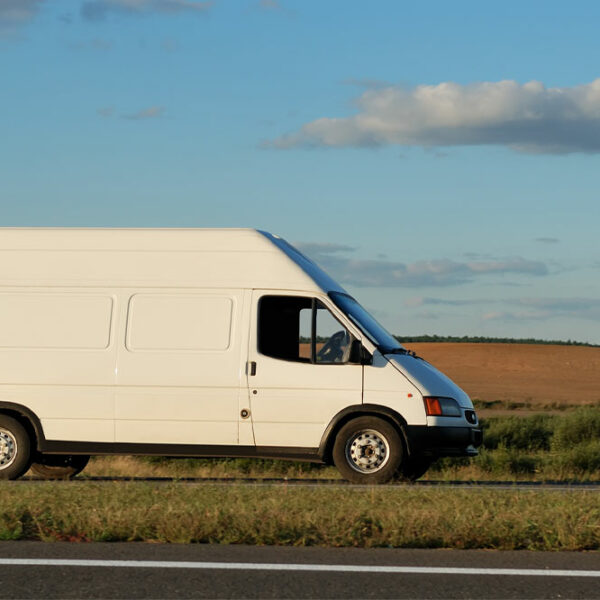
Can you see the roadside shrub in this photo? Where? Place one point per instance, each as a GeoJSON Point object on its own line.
{"type": "Point", "coordinates": [506, 460]}
{"type": "Point", "coordinates": [582, 459]}
{"type": "Point", "coordinates": [530, 433]}
{"type": "Point", "coordinates": [579, 427]}
{"type": "Point", "coordinates": [449, 463]}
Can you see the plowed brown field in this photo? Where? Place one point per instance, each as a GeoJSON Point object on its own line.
{"type": "Point", "coordinates": [533, 376]}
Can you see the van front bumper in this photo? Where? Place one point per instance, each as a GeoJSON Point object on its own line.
{"type": "Point", "coordinates": [438, 441]}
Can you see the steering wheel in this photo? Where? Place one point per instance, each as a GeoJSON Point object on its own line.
{"type": "Point", "coordinates": [333, 350]}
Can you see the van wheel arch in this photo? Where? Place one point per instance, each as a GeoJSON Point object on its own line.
{"type": "Point", "coordinates": [27, 419]}
{"type": "Point", "coordinates": [361, 410]}
{"type": "Point", "coordinates": [15, 448]}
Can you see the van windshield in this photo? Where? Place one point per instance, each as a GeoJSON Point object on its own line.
{"type": "Point", "coordinates": [385, 342]}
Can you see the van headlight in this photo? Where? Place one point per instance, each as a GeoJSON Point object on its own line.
{"type": "Point", "coordinates": [441, 407]}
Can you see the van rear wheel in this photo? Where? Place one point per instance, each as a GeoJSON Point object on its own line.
{"type": "Point", "coordinates": [368, 450]}
{"type": "Point", "coordinates": [15, 448]}
{"type": "Point", "coordinates": [57, 466]}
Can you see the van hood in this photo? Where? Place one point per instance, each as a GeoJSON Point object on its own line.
{"type": "Point", "coordinates": [427, 379]}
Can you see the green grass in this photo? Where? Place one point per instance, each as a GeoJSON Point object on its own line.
{"type": "Point", "coordinates": [300, 516]}
{"type": "Point", "coordinates": [228, 468]}
{"type": "Point", "coordinates": [530, 433]}
{"type": "Point", "coordinates": [579, 427]}
{"type": "Point", "coordinates": [559, 447]}
{"type": "Point", "coordinates": [563, 447]}
{"type": "Point", "coordinates": [511, 405]}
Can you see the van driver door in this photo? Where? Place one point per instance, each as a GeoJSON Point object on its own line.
{"type": "Point", "coordinates": [299, 370]}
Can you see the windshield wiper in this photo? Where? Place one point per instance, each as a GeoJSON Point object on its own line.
{"type": "Point", "coordinates": [402, 351]}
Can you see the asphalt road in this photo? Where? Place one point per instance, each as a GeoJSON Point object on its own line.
{"type": "Point", "coordinates": [205, 571]}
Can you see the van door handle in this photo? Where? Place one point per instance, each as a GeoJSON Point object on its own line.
{"type": "Point", "coordinates": [252, 368]}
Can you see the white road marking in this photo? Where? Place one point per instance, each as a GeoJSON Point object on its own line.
{"type": "Point", "coordinates": [233, 566]}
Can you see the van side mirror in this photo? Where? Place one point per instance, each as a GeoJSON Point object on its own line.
{"type": "Point", "coordinates": [359, 354]}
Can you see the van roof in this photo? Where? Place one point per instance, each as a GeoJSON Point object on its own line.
{"type": "Point", "coordinates": [186, 257]}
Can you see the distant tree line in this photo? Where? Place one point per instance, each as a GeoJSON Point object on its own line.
{"type": "Point", "coordinates": [479, 339]}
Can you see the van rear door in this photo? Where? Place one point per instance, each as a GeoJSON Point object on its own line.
{"type": "Point", "coordinates": [299, 372]}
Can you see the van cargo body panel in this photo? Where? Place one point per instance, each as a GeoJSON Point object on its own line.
{"type": "Point", "coordinates": [146, 258]}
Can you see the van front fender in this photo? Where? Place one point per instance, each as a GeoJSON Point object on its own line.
{"type": "Point", "coordinates": [360, 410]}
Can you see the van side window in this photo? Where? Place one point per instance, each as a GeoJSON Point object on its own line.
{"type": "Point", "coordinates": [333, 341]}
{"type": "Point", "coordinates": [302, 330]}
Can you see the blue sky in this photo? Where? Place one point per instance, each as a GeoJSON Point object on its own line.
{"type": "Point", "coordinates": [441, 160]}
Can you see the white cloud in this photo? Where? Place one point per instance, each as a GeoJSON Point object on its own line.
{"type": "Point", "coordinates": [98, 9]}
{"type": "Point", "coordinates": [152, 112]}
{"type": "Point", "coordinates": [521, 315]}
{"type": "Point", "coordinates": [317, 248]}
{"type": "Point", "coordinates": [429, 315]}
{"type": "Point", "coordinates": [385, 273]}
{"type": "Point", "coordinates": [93, 44]}
{"type": "Point", "coordinates": [106, 111]}
{"type": "Point", "coordinates": [525, 117]}
{"type": "Point", "coordinates": [574, 307]}
{"type": "Point", "coordinates": [273, 7]}
{"type": "Point", "coordinates": [418, 301]}
{"type": "Point", "coordinates": [169, 45]}
{"type": "Point", "coordinates": [269, 5]}
{"type": "Point", "coordinates": [541, 309]}
{"type": "Point", "coordinates": [17, 12]}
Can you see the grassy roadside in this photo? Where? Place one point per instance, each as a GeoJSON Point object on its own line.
{"type": "Point", "coordinates": [492, 465]}
{"type": "Point", "coordinates": [227, 468]}
{"type": "Point", "coordinates": [232, 514]}
{"type": "Point", "coordinates": [536, 447]}
{"type": "Point", "coordinates": [539, 447]}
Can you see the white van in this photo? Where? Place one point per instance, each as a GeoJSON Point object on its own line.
{"type": "Point", "coordinates": [206, 343]}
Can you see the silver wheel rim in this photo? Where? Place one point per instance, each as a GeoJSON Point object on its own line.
{"type": "Point", "coordinates": [8, 448]}
{"type": "Point", "coordinates": [367, 451]}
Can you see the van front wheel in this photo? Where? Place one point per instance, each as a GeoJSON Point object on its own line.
{"type": "Point", "coordinates": [15, 448]}
{"type": "Point", "coordinates": [368, 450]}
{"type": "Point", "coordinates": [415, 467]}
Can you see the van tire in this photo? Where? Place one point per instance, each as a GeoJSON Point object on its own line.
{"type": "Point", "coordinates": [415, 467]}
{"type": "Point", "coordinates": [15, 448]}
{"type": "Point", "coordinates": [57, 466]}
{"type": "Point", "coordinates": [368, 450]}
